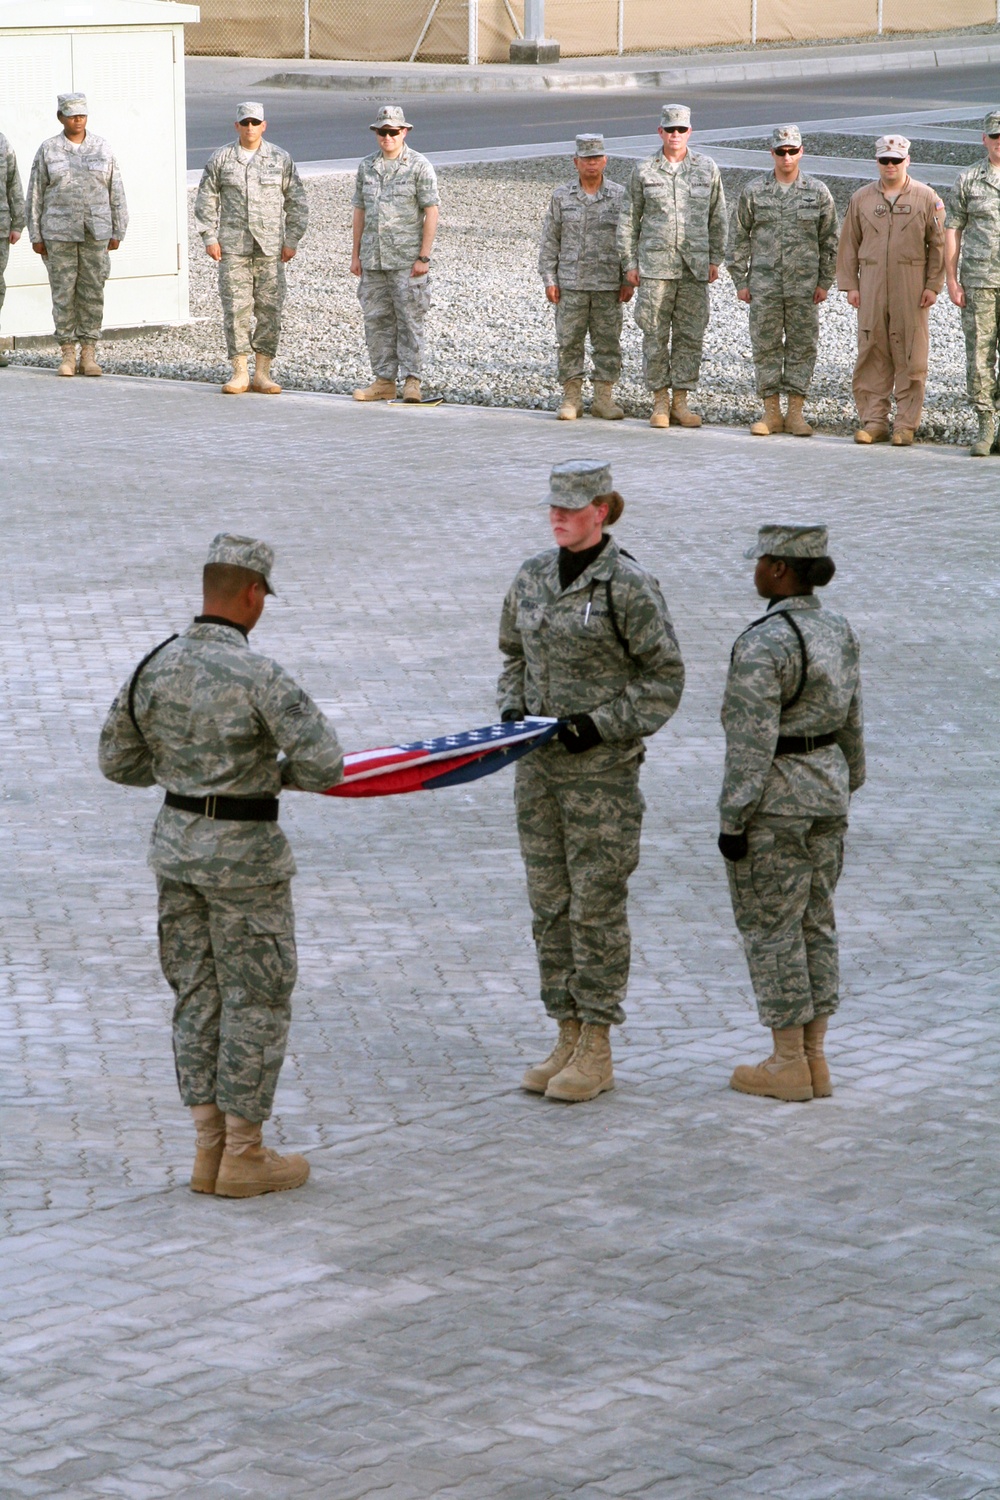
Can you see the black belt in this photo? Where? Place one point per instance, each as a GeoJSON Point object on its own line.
{"type": "Point", "coordinates": [802, 744]}
{"type": "Point", "coordinates": [238, 809]}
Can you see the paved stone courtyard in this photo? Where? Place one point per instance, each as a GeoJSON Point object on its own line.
{"type": "Point", "coordinates": [674, 1291]}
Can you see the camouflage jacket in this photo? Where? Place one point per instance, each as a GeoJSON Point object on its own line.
{"type": "Point", "coordinates": [393, 195]}
{"type": "Point", "coordinates": [261, 200]}
{"type": "Point", "coordinates": [673, 221]}
{"type": "Point", "coordinates": [73, 194]}
{"type": "Point", "coordinates": [974, 208]}
{"type": "Point", "coordinates": [11, 196]}
{"type": "Point", "coordinates": [563, 655]}
{"type": "Point", "coordinates": [765, 674]}
{"type": "Point", "coordinates": [579, 247]}
{"type": "Point", "coordinates": [784, 240]}
{"type": "Point", "coordinates": [212, 717]}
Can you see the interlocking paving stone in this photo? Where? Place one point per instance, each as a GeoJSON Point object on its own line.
{"type": "Point", "coordinates": [673, 1292]}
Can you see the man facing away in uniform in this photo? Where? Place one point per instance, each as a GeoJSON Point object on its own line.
{"type": "Point", "coordinates": [251, 213]}
{"type": "Point", "coordinates": [11, 215]}
{"type": "Point", "coordinates": [395, 221]}
{"type": "Point", "coordinates": [783, 261]}
{"type": "Point", "coordinates": [672, 238]}
{"type": "Point", "coordinates": [205, 718]}
{"type": "Point", "coordinates": [972, 232]}
{"type": "Point", "coordinates": [891, 265]}
{"type": "Point", "coordinates": [76, 214]}
{"type": "Point", "coordinates": [579, 263]}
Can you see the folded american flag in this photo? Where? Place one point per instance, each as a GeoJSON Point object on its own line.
{"type": "Point", "coordinates": [451, 760]}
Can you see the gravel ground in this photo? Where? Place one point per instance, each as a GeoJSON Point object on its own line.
{"type": "Point", "coordinates": [491, 333]}
{"type": "Point", "coordinates": [948, 153]}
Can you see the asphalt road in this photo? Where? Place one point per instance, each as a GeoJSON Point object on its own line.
{"type": "Point", "coordinates": [320, 124]}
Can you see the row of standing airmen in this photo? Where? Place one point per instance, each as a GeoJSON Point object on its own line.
{"type": "Point", "coordinates": [587, 638]}
{"type": "Point", "coordinates": [663, 234]}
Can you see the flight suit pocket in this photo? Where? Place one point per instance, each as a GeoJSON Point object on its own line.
{"type": "Point", "coordinates": [418, 291]}
{"type": "Point", "coordinates": [763, 868]}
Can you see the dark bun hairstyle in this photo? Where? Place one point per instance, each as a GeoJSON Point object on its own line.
{"type": "Point", "coordinates": [812, 572]}
{"type": "Point", "coordinates": [615, 505]}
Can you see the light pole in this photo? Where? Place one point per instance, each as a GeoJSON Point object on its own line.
{"type": "Point", "coordinates": [535, 46]}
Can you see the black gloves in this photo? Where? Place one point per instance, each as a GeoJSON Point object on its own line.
{"type": "Point", "coordinates": [509, 716]}
{"type": "Point", "coordinates": [578, 734]}
{"type": "Point", "coordinates": [733, 846]}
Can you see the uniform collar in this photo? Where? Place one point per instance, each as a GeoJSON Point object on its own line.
{"type": "Point", "coordinates": [991, 174]}
{"type": "Point", "coordinates": [398, 161]}
{"type": "Point", "coordinates": [602, 191]}
{"type": "Point", "coordinates": [217, 623]}
{"type": "Point", "coordinates": [796, 601]}
{"type": "Point", "coordinates": [603, 567]}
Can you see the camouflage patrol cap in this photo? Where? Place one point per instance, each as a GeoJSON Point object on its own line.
{"type": "Point", "coordinates": [785, 135]}
{"type": "Point", "coordinates": [250, 109]}
{"type": "Point", "coordinates": [991, 124]}
{"type": "Point", "coordinates": [790, 541]}
{"type": "Point", "coordinates": [72, 104]}
{"type": "Point", "coordinates": [572, 485]}
{"type": "Point", "coordinates": [391, 114]}
{"type": "Point", "coordinates": [896, 146]}
{"type": "Point", "coordinates": [674, 114]}
{"type": "Point", "coordinates": [242, 552]}
{"type": "Point", "coordinates": [590, 145]}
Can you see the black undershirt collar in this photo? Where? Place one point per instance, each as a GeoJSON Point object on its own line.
{"type": "Point", "coordinates": [221, 620]}
{"type": "Point", "coordinates": [572, 564]}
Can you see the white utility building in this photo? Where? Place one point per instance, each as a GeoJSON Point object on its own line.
{"type": "Point", "coordinates": [127, 56]}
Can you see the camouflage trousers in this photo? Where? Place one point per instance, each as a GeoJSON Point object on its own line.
{"type": "Point", "coordinates": [77, 273]}
{"type": "Point", "coordinates": [395, 306]}
{"type": "Point", "coordinates": [784, 334]}
{"type": "Point", "coordinates": [600, 315]}
{"type": "Point", "coordinates": [252, 289]}
{"type": "Point", "coordinates": [579, 838]}
{"type": "Point", "coordinates": [782, 897]}
{"type": "Point", "coordinates": [981, 326]}
{"type": "Point", "coordinates": [229, 956]}
{"type": "Point", "coordinates": [4, 256]}
{"type": "Point", "coordinates": [673, 316]}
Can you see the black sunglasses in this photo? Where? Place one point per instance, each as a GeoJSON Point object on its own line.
{"type": "Point", "coordinates": [889, 161]}
{"type": "Point", "coordinates": [675, 129]}
{"type": "Point", "coordinates": [787, 150]}
{"type": "Point", "coordinates": [389, 130]}
{"type": "Point", "coordinates": [251, 122]}
{"type": "Point", "coordinates": [993, 135]}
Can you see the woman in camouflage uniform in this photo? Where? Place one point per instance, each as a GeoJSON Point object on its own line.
{"type": "Point", "coordinates": [587, 639]}
{"type": "Point", "coordinates": [794, 754]}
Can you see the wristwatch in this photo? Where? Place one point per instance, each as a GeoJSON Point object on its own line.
{"type": "Point", "coordinates": [424, 259]}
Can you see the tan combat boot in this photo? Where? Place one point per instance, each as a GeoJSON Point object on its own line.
{"type": "Point", "coordinates": [987, 433]}
{"type": "Point", "coordinates": [902, 437]}
{"type": "Point", "coordinates": [88, 360]}
{"type": "Point", "coordinates": [588, 1072]}
{"type": "Point", "coordinates": [412, 391]}
{"type": "Point", "coordinates": [812, 1042]}
{"type": "Point", "coordinates": [68, 365]}
{"type": "Point", "coordinates": [795, 422]}
{"type": "Point", "coordinates": [379, 390]}
{"type": "Point", "coordinates": [783, 1075]}
{"type": "Point", "coordinates": [661, 408]}
{"type": "Point", "coordinates": [239, 381]}
{"type": "Point", "coordinates": [604, 403]}
{"type": "Point", "coordinates": [537, 1079]}
{"type": "Point", "coordinates": [210, 1128]}
{"type": "Point", "coordinates": [681, 413]}
{"type": "Point", "coordinates": [772, 420]}
{"type": "Point", "coordinates": [262, 381]}
{"type": "Point", "coordinates": [872, 432]}
{"type": "Point", "coordinates": [249, 1168]}
{"type": "Point", "coordinates": [572, 401]}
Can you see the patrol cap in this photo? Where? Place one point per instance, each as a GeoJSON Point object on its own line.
{"type": "Point", "coordinates": [572, 485]}
{"type": "Point", "coordinates": [72, 104]}
{"type": "Point", "coordinates": [250, 109]}
{"type": "Point", "coordinates": [785, 135]}
{"type": "Point", "coordinates": [391, 114]}
{"type": "Point", "coordinates": [790, 541]}
{"type": "Point", "coordinates": [242, 552]}
{"type": "Point", "coordinates": [991, 124]}
{"type": "Point", "coordinates": [590, 145]}
{"type": "Point", "coordinates": [674, 114]}
{"type": "Point", "coordinates": [896, 146]}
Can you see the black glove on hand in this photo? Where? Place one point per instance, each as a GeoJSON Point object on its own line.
{"type": "Point", "coordinates": [733, 846]}
{"type": "Point", "coordinates": [509, 716]}
{"type": "Point", "coordinates": [578, 733]}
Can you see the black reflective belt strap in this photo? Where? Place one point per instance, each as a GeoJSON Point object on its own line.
{"type": "Point", "coordinates": [802, 744]}
{"type": "Point", "coordinates": [135, 679]}
{"type": "Point", "coordinates": [785, 615]}
{"type": "Point", "coordinates": [235, 809]}
{"type": "Point", "coordinates": [622, 639]}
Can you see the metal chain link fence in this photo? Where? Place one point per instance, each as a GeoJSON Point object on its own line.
{"type": "Point", "coordinates": [482, 30]}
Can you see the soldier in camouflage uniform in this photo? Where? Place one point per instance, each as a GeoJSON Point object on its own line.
{"type": "Point", "coordinates": [251, 212]}
{"type": "Point", "coordinates": [205, 718]}
{"type": "Point", "coordinates": [672, 238]}
{"type": "Point", "coordinates": [783, 262]}
{"type": "Point", "coordinates": [794, 754]}
{"type": "Point", "coordinates": [76, 214]}
{"type": "Point", "coordinates": [395, 221]}
{"type": "Point", "coordinates": [579, 263]}
{"type": "Point", "coordinates": [586, 638]}
{"type": "Point", "coordinates": [11, 214]}
{"type": "Point", "coordinates": [972, 230]}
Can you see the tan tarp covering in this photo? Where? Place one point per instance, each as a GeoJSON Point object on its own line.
{"type": "Point", "coordinates": [387, 30]}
